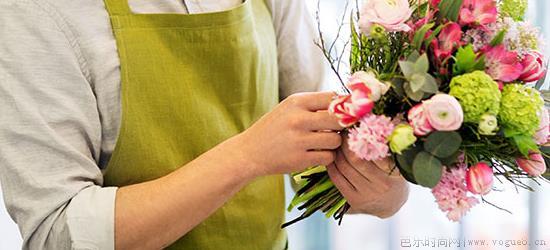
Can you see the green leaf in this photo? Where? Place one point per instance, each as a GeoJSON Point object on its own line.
{"type": "Point", "coordinates": [408, 68]}
{"type": "Point", "coordinates": [540, 82]}
{"type": "Point", "coordinates": [525, 144]}
{"type": "Point", "coordinates": [450, 9]}
{"type": "Point", "coordinates": [355, 45]}
{"type": "Point", "coordinates": [415, 96]}
{"type": "Point", "coordinates": [451, 160]}
{"type": "Point", "coordinates": [466, 61]}
{"type": "Point", "coordinates": [499, 38]}
{"type": "Point", "coordinates": [427, 170]}
{"type": "Point", "coordinates": [432, 36]}
{"type": "Point", "coordinates": [397, 85]}
{"type": "Point", "coordinates": [420, 35]}
{"type": "Point", "coordinates": [417, 81]}
{"type": "Point", "coordinates": [405, 162]}
{"type": "Point", "coordinates": [443, 144]}
{"type": "Point", "coordinates": [430, 84]}
{"type": "Point", "coordinates": [422, 64]}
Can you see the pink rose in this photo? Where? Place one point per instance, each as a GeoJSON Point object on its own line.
{"type": "Point", "coordinates": [444, 112]}
{"type": "Point", "coordinates": [377, 88]}
{"type": "Point", "coordinates": [391, 15]}
{"type": "Point", "coordinates": [419, 121]}
{"type": "Point", "coordinates": [533, 67]}
{"type": "Point", "coordinates": [349, 109]}
{"type": "Point", "coordinates": [479, 179]}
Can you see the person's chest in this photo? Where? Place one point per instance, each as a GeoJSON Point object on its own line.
{"type": "Point", "coordinates": [182, 6]}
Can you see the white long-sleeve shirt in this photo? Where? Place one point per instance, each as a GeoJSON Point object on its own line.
{"type": "Point", "coordinates": [60, 108]}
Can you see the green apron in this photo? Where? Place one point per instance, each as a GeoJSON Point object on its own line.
{"type": "Point", "coordinates": [190, 82]}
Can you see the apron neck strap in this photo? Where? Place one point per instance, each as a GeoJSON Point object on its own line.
{"type": "Point", "coordinates": [118, 7]}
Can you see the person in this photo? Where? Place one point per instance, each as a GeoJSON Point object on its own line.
{"type": "Point", "coordinates": [150, 124]}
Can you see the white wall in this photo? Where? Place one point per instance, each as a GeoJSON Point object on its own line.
{"type": "Point", "coordinates": [9, 234]}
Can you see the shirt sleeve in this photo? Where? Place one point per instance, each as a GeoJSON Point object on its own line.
{"type": "Point", "coordinates": [50, 134]}
{"type": "Point", "coordinates": [302, 67]}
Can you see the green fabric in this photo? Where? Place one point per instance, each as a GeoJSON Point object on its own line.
{"type": "Point", "coordinates": [190, 82]}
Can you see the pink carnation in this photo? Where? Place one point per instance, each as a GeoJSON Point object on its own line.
{"type": "Point", "coordinates": [451, 193]}
{"type": "Point", "coordinates": [369, 141]}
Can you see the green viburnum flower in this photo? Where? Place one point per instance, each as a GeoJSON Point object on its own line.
{"type": "Point", "coordinates": [477, 93]}
{"type": "Point", "coordinates": [513, 8]}
{"type": "Point", "coordinates": [401, 138]}
{"type": "Point", "coordinates": [520, 108]}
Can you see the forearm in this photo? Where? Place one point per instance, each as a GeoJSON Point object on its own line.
{"type": "Point", "coordinates": [154, 214]}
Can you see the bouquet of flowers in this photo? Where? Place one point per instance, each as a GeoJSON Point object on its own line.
{"type": "Point", "coordinates": [450, 90]}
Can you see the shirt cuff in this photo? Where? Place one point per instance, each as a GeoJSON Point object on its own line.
{"type": "Point", "coordinates": [91, 218]}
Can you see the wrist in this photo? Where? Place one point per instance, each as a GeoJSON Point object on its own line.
{"type": "Point", "coordinates": [240, 157]}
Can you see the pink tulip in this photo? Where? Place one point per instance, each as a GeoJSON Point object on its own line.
{"type": "Point", "coordinates": [419, 121]}
{"type": "Point", "coordinates": [377, 88]}
{"type": "Point", "coordinates": [502, 65]}
{"type": "Point", "coordinates": [392, 15]}
{"type": "Point", "coordinates": [479, 179]}
{"type": "Point", "coordinates": [541, 137]}
{"type": "Point", "coordinates": [444, 112]}
{"type": "Point", "coordinates": [533, 67]}
{"type": "Point", "coordinates": [478, 12]}
{"type": "Point", "coordinates": [534, 166]}
{"type": "Point", "coordinates": [349, 109]}
{"type": "Point", "coordinates": [448, 41]}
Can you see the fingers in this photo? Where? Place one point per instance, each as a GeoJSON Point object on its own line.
{"type": "Point", "coordinates": [343, 185]}
{"type": "Point", "coordinates": [316, 158]}
{"type": "Point", "coordinates": [323, 120]}
{"type": "Point", "coordinates": [313, 101]}
{"type": "Point", "coordinates": [323, 141]}
{"type": "Point", "coordinates": [357, 179]}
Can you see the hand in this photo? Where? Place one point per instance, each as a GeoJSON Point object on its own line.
{"type": "Point", "coordinates": [374, 188]}
{"type": "Point", "coordinates": [297, 134]}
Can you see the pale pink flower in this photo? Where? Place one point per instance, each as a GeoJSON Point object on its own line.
{"type": "Point", "coordinates": [503, 65]}
{"type": "Point", "coordinates": [534, 166]}
{"type": "Point", "coordinates": [541, 137]}
{"type": "Point", "coordinates": [533, 67]}
{"type": "Point", "coordinates": [444, 112]}
{"type": "Point", "coordinates": [479, 179]}
{"type": "Point", "coordinates": [369, 141]}
{"type": "Point", "coordinates": [478, 12]}
{"type": "Point", "coordinates": [451, 193]}
{"type": "Point", "coordinates": [419, 121]}
{"type": "Point", "coordinates": [377, 88]}
{"type": "Point", "coordinates": [391, 15]}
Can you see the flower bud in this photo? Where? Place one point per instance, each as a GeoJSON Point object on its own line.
{"type": "Point", "coordinates": [479, 178]}
{"type": "Point", "coordinates": [401, 138]}
{"type": "Point", "coordinates": [488, 124]}
{"type": "Point", "coordinates": [534, 166]}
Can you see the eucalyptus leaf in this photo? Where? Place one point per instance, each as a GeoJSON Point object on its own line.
{"type": "Point", "coordinates": [417, 81]}
{"type": "Point", "coordinates": [422, 65]}
{"type": "Point", "coordinates": [408, 68]}
{"type": "Point", "coordinates": [443, 144]}
{"type": "Point", "coordinates": [427, 170]}
{"type": "Point", "coordinates": [430, 84]}
{"type": "Point", "coordinates": [415, 96]}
